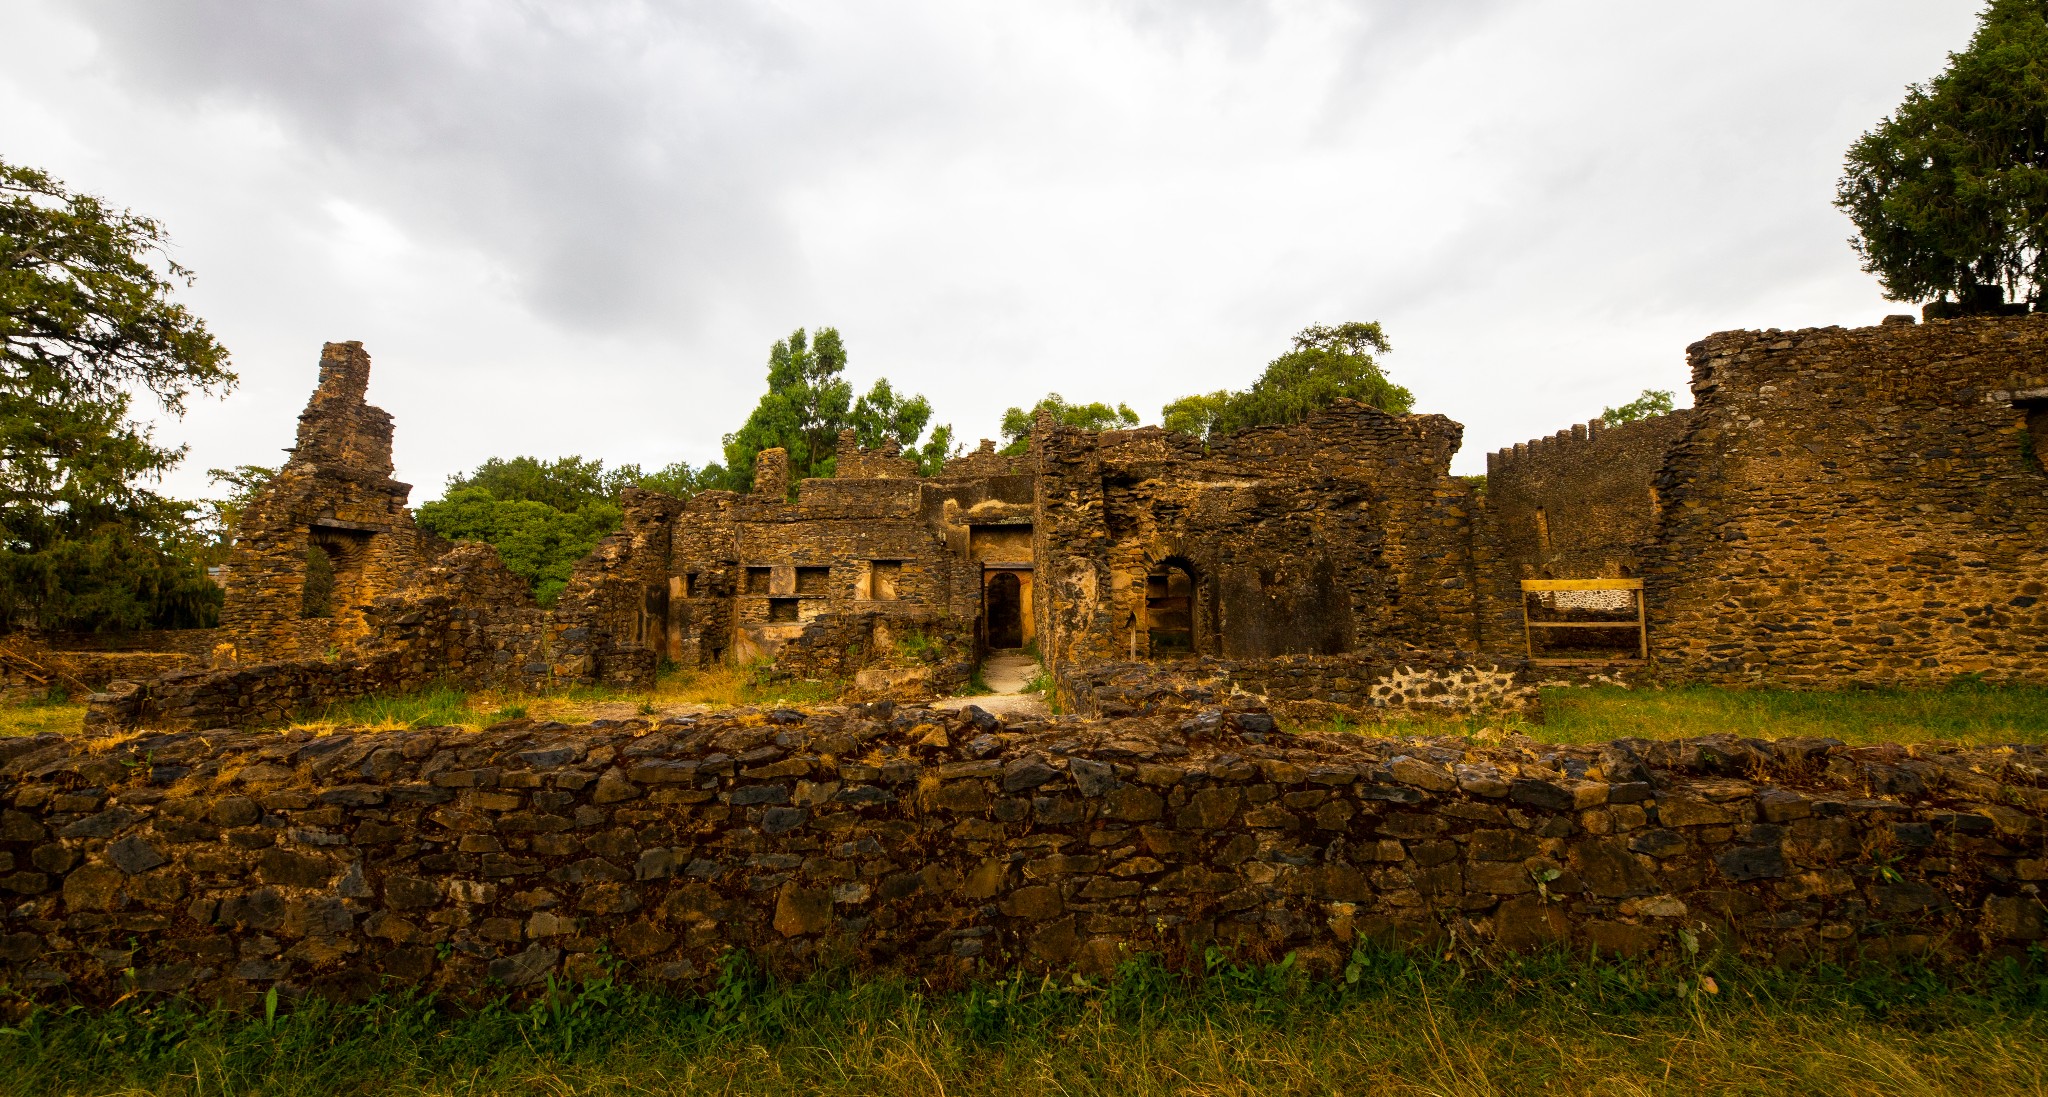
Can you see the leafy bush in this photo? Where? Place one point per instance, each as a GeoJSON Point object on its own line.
{"type": "Point", "coordinates": [1327, 364]}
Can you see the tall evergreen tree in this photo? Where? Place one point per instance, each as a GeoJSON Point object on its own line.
{"type": "Point", "coordinates": [86, 323]}
{"type": "Point", "coordinates": [1949, 195]}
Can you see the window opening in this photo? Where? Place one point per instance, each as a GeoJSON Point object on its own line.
{"type": "Point", "coordinates": [2036, 438]}
{"type": "Point", "coordinates": [316, 598]}
{"type": "Point", "coordinates": [883, 579]}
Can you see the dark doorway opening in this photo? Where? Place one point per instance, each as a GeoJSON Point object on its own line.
{"type": "Point", "coordinates": [1170, 610]}
{"type": "Point", "coordinates": [1004, 611]}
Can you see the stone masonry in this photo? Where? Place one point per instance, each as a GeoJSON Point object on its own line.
{"type": "Point", "coordinates": [1858, 506]}
{"type": "Point", "coordinates": [1841, 507]}
{"type": "Point", "coordinates": [948, 844]}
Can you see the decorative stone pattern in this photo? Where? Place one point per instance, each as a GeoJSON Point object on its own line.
{"type": "Point", "coordinates": [947, 844]}
{"type": "Point", "coordinates": [1858, 506]}
{"type": "Point", "coordinates": [1369, 685]}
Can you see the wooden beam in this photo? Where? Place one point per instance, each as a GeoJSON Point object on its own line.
{"type": "Point", "coordinates": [1582, 584]}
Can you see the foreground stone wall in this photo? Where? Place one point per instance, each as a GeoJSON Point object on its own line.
{"type": "Point", "coordinates": [1858, 506]}
{"type": "Point", "coordinates": [952, 844]}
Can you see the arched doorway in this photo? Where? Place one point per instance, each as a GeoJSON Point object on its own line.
{"type": "Point", "coordinates": [1003, 611]}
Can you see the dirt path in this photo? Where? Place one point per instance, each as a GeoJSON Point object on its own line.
{"type": "Point", "coordinates": [1006, 673]}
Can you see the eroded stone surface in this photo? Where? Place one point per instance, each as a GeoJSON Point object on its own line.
{"type": "Point", "coordinates": [947, 843]}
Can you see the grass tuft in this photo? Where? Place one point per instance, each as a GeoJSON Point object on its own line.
{"type": "Point", "coordinates": [1388, 1022]}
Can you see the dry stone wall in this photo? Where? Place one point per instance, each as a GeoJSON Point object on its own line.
{"type": "Point", "coordinates": [1858, 506]}
{"type": "Point", "coordinates": [953, 844]}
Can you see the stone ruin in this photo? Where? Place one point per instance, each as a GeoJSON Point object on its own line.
{"type": "Point", "coordinates": [1840, 507]}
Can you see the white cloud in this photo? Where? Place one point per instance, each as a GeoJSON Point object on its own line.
{"type": "Point", "coordinates": [577, 228]}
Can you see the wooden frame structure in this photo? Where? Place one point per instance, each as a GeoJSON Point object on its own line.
{"type": "Point", "coordinates": [1537, 586]}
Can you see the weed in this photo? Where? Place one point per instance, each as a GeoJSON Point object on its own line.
{"type": "Point", "coordinates": [915, 647]}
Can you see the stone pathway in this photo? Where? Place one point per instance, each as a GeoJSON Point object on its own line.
{"type": "Point", "coordinates": [1007, 673]}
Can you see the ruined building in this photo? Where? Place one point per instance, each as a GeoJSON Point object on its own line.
{"type": "Point", "coordinates": [1838, 507]}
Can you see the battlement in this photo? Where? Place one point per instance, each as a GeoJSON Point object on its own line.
{"type": "Point", "coordinates": [1574, 438]}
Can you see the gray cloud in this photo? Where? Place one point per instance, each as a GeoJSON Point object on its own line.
{"type": "Point", "coordinates": [577, 227]}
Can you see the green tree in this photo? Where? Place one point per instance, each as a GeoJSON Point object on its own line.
{"type": "Point", "coordinates": [87, 323]}
{"type": "Point", "coordinates": [809, 402]}
{"type": "Point", "coordinates": [544, 516]}
{"type": "Point", "coordinates": [1326, 364]}
{"type": "Point", "coordinates": [1017, 421]}
{"type": "Point", "coordinates": [1949, 194]}
{"type": "Point", "coordinates": [219, 517]}
{"type": "Point", "coordinates": [1652, 402]}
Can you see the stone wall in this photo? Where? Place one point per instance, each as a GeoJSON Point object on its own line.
{"type": "Point", "coordinates": [30, 669]}
{"type": "Point", "coordinates": [335, 492]}
{"type": "Point", "coordinates": [1365, 685]}
{"type": "Point", "coordinates": [1340, 532]}
{"type": "Point", "coordinates": [1581, 504]}
{"type": "Point", "coordinates": [1857, 506]}
{"type": "Point", "coordinates": [892, 656]}
{"type": "Point", "coordinates": [464, 620]}
{"type": "Point", "coordinates": [951, 845]}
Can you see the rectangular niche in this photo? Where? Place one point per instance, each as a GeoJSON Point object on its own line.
{"type": "Point", "coordinates": [759, 579]}
{"type": "Point", "coordinates": [782, 609]}
{"type": "Point", "coordinates": [813, 582]}
{"type": "Point", "coordinates": [883, 577]}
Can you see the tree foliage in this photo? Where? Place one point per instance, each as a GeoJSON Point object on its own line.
{"type": "Point", "coordinates": [87, 323]}
{"type": "Point", "coordinates": [543, 516]}
{"type": "Point", "coordinates": [1017, 421]}
{"type": "Point", "coordinates": [1949, 194]}
{"type": "Point", "coordinates": [1325, 364]}
{"type": "Point", "coordinates": [1651, 403]}
{"type": "Point", "coordinates": [809, 402]}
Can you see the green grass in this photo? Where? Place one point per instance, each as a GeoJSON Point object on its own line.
{"type": "Point", "coordinates": [1393, 1023]}
{"type": "Point", "coordinates": [435, 707]}
{"type": "Point", "coordinates": [1966, 713]}
{"type": "Point", "coordinates": [55, 712]}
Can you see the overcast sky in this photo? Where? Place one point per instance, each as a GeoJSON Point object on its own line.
{"type": "Point", "coordinates": [577, 228]}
